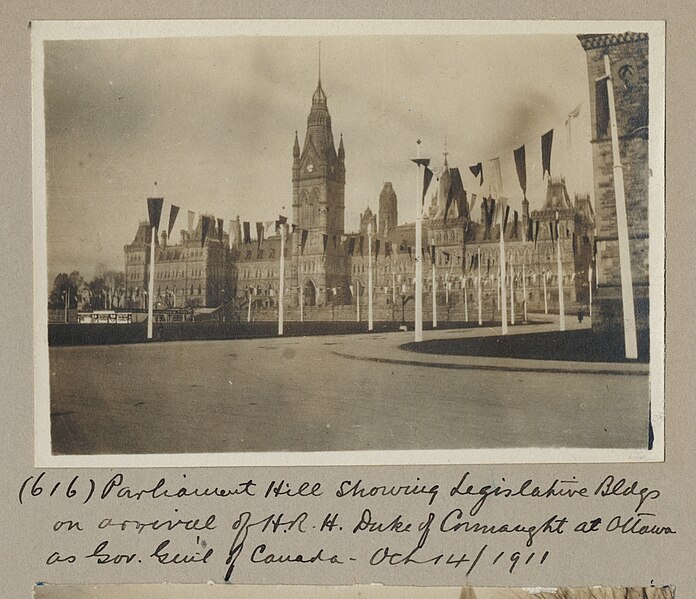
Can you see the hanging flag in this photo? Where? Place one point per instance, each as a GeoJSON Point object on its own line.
{"type": "Point", "coordinates": [551, 227]}
{"type": "Point", "coordinates": [376, 248]}
{"type": "Point", "coordinates": [515, 221]}
{"type": "Point", "coordinates": [546, 143]}
{"type": "Point", "coordinates": [351, 245]}
{"type": "Point", "coordinates": [496, 182]}
{"type": "Point", "coordinates": [247, 231]}
{"type": "Point", "coordinates": [220, 224]}
{"type": "Point", "coordinates": [573, 114]}
{"type": "Point", "coordinates": [154, 210]}
{"type": "Point", "coordinates": [362, 245]}
{"type": "Point", "coordinates": [173, 211]}
{"type": "Point", "coordinates": [432, 254]}
{"type": "Point", "coordinates": [477, 171]}
{"type": "Point", "coordinates": [530, 229]}
{"type": "Point", "coordinates": [456, 194]}
{"type": "Point", "coordinates": [536, 233]}
{"type": "Point", "coordinates": [205, 227]}
{"type": "Point", "coordinates": [191, 218]}
{"type": "Point", "coordinates": [303, 240]}
{"type": "Point", "coordinates": [427, 175]}
{"type": "Point", "coordinates": [259, 234]}
{"type": "Point", "coordinates": [505, 218]}
{"type": "Point", "coordinates": [326, 241]}
{"type": "Point", "coordinates": [473, 203]}
{"type": "Point", "coordinates": [521, 166]}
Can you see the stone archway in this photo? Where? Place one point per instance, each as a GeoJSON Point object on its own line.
{"type": "Point", "coordinates": [309, 293]}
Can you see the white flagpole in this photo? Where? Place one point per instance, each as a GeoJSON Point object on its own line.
{"type": "Point", "coordinates": [434, 288]}
{"type": "Point", "coordinates": [151, 284]}
{"type": "Point", "coordinates": [629, 317]}
{"type": "Point", "coordinates": [503, 302]}
{"type": "Point", "coordinates": [512, 294]}
{"type": "Point", "coordinates": [546, 301]}
{"type": "Point", "coordinates": [357, 297]}
{"type": "Point", "coordinates": [561, 299]}
{"type": "Point", "coordinates": [393, 285]}
{"type": "Point", "coordinates": [301, 302]}
{"type": "Point", "coordinates": [524, 292]}
{"type": "Point", "coordinates": [418, 328]}
{"type": "Point", "coordinates": [249, 308]}
{"type": "Point", "coordinates": [589, 283]}
{"type": "Point", "coordinates": [466, 303]}
{"type": "Point", "coordinates": [480, 292]}
{"type": "Point", "coordinates": [281, 284]}
{"type": "Point", "coordinates": [369, 277]}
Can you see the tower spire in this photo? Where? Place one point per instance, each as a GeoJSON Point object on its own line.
{"type": "Point", "coordinates": [445, 153]}
{"type": "Point", "coordinates": [320, 64]}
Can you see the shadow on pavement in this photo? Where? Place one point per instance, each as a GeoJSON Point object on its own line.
{"type": "Point", "coordinates": [567, 346]}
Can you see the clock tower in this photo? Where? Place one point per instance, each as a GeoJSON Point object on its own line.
{"type": "Point", "coordinates": [318, 191]}
{"type": "Point", "coordinates": [319, 174]}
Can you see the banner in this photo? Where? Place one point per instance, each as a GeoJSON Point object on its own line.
{"type": "Point", "coordinates": [521, 166]}
{"type": "Point", "coordinates": [154, 210]}
{"type": "Point", "coordinates": [205, 227]}
{"type": "Point", "coordinates": [546, 143]}
{"type": "Point", "coordinates": [477, 171]}
{"type": "Point", "coordinates": [220, 225]}
{"type": "Point", "coordinates": [496, 180]}
{"type": "Point", "coordinates": [247, 231]}
{"type": "Point", "coordinates": [259, 234]}
{"type": "Point", "coordinates": [173, 212]}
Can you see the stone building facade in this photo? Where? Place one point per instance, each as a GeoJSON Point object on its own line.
{"type": "Point", "coordinates": [628, 57]}
{"type": "Point", "coordinates": [189, 274]}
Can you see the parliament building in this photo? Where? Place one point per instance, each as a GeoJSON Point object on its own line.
{"type": "Point", "coordinates": [327, 266]}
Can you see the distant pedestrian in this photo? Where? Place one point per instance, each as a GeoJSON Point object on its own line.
{"type": "Point", "coordinates": [581, 314]}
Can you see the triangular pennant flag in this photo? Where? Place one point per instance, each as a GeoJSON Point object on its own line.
{"type": "Point", "coordinates": [477, 171]}
{"type": "Point", "coordinates": [457, 194]}
{"type": "Point", "coordinates": [173, 211]}
{"type": "Point", "coordinates": [427, 178]}
{"type": "Point", "coordinates": [247, 231]}
{"type": "Point", "coordinates": [154, 211]}
{"type": "Point", "coordinates": [205, 227]}
{"type": "Point", "coordinates": [536, 233]}
{"type": "Point", "coordinates": [303, 240]}
{"type": "Point", "coordinates": [515, 221]}
{"type": "Point", "coordinates": [546, 143]}
{"type": "Point", "coordinates": [421, 161]}
{"type": "Point", "coordinates": [259, 234]}
{"type": "Point", "coordinates": [530, 229]}
{"type": "Point", "coordinates": [521, 166]}
{"type": "Point", "coordinates": [220, 231]}
{"type": "Point", "coordinates": [569, 124]}
{"type": "Point", "coordinates": [191, 218]}
{"type": "Point", "coordinates": [505, 218]}
{"type": "Point", "coordinates": [496, 180]}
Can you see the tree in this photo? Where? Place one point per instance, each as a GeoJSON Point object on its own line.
{"type": "Point", "coordinates": [65, 286]}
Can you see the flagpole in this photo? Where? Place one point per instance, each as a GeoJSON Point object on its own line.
{"type": "Point", "coordinates": [466, 302]}
{"type": "Point", "coordinates": [281, 284]}
{"type": "Point", "coordinates": [393, 285]}
{"type": "Point", "coordinates": [589, 283]}
{"type": "Point", "coordinates": [151, 284]}
{"type": "Point", "coordinates": [434, 284]}
{"type": "Point", "coordinates": [301, 303]}
{"type": "Point", "coordinates": [524, 292]}
{"type": "Point", "coordinates": [369, 277]}
{"type": "Point", "coordinates": [249, 307]}
{"type": "Point", "coordinates": [629, 317]}
{"type": "Point", "coordinates": [561, 299]}
{"type": "Point", "coordinates": [546, 301]}
{"type": "Point", "coordinates": [503, 302]}
{"type": "Point", "coordinates": [480, 292]}
{"type": "Point", "coordinates": [512, 294]}
{"type": "Point", "coordinates": [418, 328]}
{"type": "Point", "coordinates": [357, 297]}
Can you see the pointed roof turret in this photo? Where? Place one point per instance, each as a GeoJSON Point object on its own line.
{"type": "Point", "coordinates": [341, 150]}
{"type": "Point", "coordinates": [296, 148]}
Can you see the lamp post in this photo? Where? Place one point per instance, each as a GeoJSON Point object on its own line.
{"type": "Point", "coordinates": [369, 277]}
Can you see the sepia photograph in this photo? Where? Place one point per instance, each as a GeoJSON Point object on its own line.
{"type": "Point", "coordinates": [322, 242]}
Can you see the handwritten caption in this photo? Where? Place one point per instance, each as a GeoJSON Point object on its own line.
{"type": "Point", "coordinates": [464, 523]}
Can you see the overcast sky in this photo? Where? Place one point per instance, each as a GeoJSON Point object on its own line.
{"type": "Point", "coordinates": [212, 120]}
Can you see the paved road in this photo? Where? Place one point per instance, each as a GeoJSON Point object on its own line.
{"type": "Point", "coordinates": [297, 394]}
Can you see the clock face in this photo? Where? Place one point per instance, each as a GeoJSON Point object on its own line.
{"type": "Point", "coordinates": [310, 168]}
